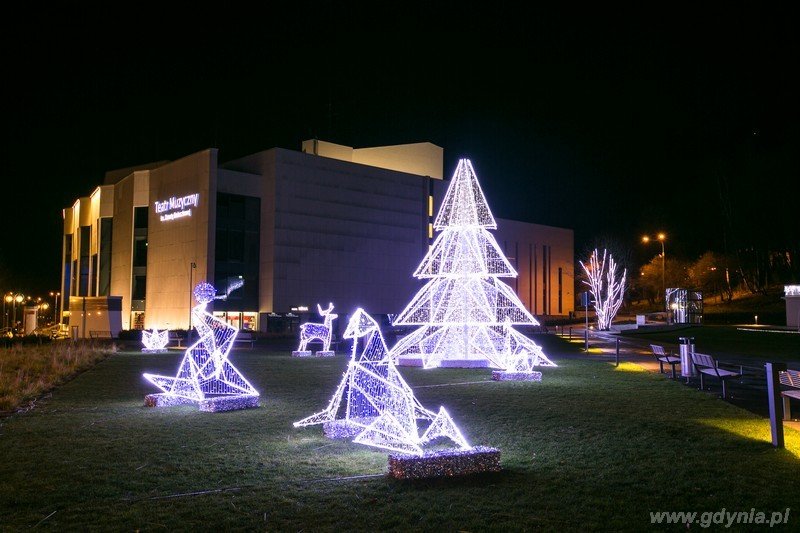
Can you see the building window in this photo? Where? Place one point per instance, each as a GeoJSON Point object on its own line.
{"type": "Point", "coordinates": [93, 285]}
{"type": "Point", "coordinates": [67, 289]}
{"type": "Point", "coordinates": [104, 275]}
{"type": "Point", "coordinates": [139, 288]}
{"type": "Point", "coordinates": [140, 252]}
{"type": "Point", "coordinates": [545, 306]}
{"type": "Point", "coordinates": [83, 260]}
{"type": "Point", "coordinates": [237, 252]}
{"type": "Point", "coordinates": [559, 291]}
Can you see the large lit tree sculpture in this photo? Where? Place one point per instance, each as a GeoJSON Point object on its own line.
{"type": "Point", "coordinates": [465, 311]}
{"type": "Point", "coordinates": [606, 285]}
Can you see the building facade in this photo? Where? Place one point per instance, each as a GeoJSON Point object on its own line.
{"type": "Point", "coordinates": [329, 223]}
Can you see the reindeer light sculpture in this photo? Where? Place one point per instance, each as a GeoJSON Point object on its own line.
{"type": "Point", "coordinates": [311, 331]}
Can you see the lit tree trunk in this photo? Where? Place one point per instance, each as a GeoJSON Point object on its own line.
{"type": "Point", "coordinates": [606, 286]}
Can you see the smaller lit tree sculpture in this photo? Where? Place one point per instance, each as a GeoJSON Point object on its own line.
{"type": "Point", "coordinates": [375, 405]}
{"type": "Point", "coordinates": [155, 341]}
{"type": "Point", "coordinates": [606, 285]}
{"type": "Point", "coordinates": [311, 331]}
{"type": "Point", "coordinates": [205, 376]}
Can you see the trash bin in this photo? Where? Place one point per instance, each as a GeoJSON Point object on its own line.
{"type": "Point", "coordinates": [686, 346]}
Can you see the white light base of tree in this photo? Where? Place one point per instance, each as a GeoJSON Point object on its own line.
{"type": "Point", "coordinates": [502, 375]}
{"type": "Point", "coordinates": [345, 429]}
{"type": "Point", "coordinates": [464, 363]}
{"type": "Point", "coordinates": [325, 353]}
{"type": "Point", "coordinates": [409, 361]}
{"type": "Point", "coordinates": [302, 353]}
{"type": "Point", "coordinates": [212, 404]}
{"type": "Point", "coordinates": [444, 463]}
{"type": "Point", "coordinates": [155, 350]}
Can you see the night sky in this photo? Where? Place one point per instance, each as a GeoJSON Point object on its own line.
{"type": "Point", "coordinates": [611, 123]}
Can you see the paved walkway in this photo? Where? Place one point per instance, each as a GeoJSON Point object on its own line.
{"type": "Point", "coordinates": [749, 392]}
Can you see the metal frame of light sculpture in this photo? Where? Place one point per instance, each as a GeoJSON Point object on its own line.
{"type": "Point", "coordinates": [464, 309]}
{"type": "Point", "coordinates": [155, 341]}
{"type": "Point", "coordinates": [311, 331]}
{"type": "Point", "coordinates": [373, 402]}
{"type": "Point", "coordinates": [205, 375]}
{"type": "Point", "coordinates": [606, 286]}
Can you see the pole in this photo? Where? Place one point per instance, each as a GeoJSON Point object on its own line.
{"type": "Point", "coordinates": [192, 266]}
{"type": "Point", "coordinates": [586, 330]}
{"type": "Point", "coordinates": [617, 360]}
{"type": "Point", "coordinates": [774, 396]}
{"type": "Point", "coordinates": [663, 274]}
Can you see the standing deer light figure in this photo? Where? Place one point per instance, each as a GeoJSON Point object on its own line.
{"type": "Point", "coordinates": [311, 331]}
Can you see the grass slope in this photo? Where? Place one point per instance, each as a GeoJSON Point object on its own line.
{"type": "Point", "coordinates": [591, 447]}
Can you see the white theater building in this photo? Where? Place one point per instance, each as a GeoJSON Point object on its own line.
{"type": "Point", "coordinates": [329, 223]}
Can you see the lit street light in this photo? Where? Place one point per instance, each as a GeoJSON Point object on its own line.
{"type": "Point", "coordinates": [661, 237]}
{"type": "Point", "coordinates": [55, 296]}
{"type": "Point", "coordinates": [18, 299]}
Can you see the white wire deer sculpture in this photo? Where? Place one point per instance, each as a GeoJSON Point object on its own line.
{"type": "Point", "coordinates": [311, 331]}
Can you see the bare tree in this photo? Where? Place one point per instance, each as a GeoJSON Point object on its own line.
{"type": "Point", "coordinates": [607, 287]}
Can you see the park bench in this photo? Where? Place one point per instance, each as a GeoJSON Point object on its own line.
{"type": "Point", "coordinates": [791, 379]}
{"type": "Point", "coordinates": [663, 357]}
{"type": "Point", "coordinates": [708, 366]}
{"type": "Point", "coordinates": [175, 337]}
{"type": "Point", "coordinates": [100, 335]}
{"type": "Point", "coordinates": [244, 337]}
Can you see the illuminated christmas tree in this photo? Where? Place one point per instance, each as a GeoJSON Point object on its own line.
{"type": "Point", "coordinates": [465, 311]}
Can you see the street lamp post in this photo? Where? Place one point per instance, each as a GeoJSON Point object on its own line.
{"type": "Point", "coordinates": [192, 266]}
{"type": "Point", "coordinates": [18, 299]}
{"type": "Point", "coordinates": [55, 296]}
{"type": "Point", "coordinates": [7, 299]}
{"type": "Point", "coordinates": [661, 237]}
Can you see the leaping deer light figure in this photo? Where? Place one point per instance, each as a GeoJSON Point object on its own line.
{"type": "Point", "coordinates": [312, 331]}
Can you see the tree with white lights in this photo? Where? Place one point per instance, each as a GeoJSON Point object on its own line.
{"type": "Point", "coordinates": [465, 311]}
{"type": "Point", "coordinates": [606, 285]}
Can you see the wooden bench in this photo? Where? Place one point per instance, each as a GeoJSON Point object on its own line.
{"type": "Point", "coordinates": [244, 337]}
{"type": "Point", "coordinates": [791, 379]}
{"type": "Point", "coordinates": [663, 357]}
{"type": "Point", "coordinates": [100, 335]}
{"type": "Point", "coordinates": [708, 366]}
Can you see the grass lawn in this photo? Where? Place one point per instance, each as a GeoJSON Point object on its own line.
{"type": "Point", "coordinates": [591, 447]}
{"type": "Point", "coordinates": [728, 341]}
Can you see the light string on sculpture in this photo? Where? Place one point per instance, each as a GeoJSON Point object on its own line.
{"type": "Point", "coordinates": [155, 341]}
{"type": "Point", "coordinates": [311, 331]}
{"type": "Point", "coordinates": [373, 402]}
{"type": "Point", "coordinates": [465, 311]}
{"type": "Point", "coordinates": [606, 285]}
{"type": "Point", "coordinates": [205, 371]}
